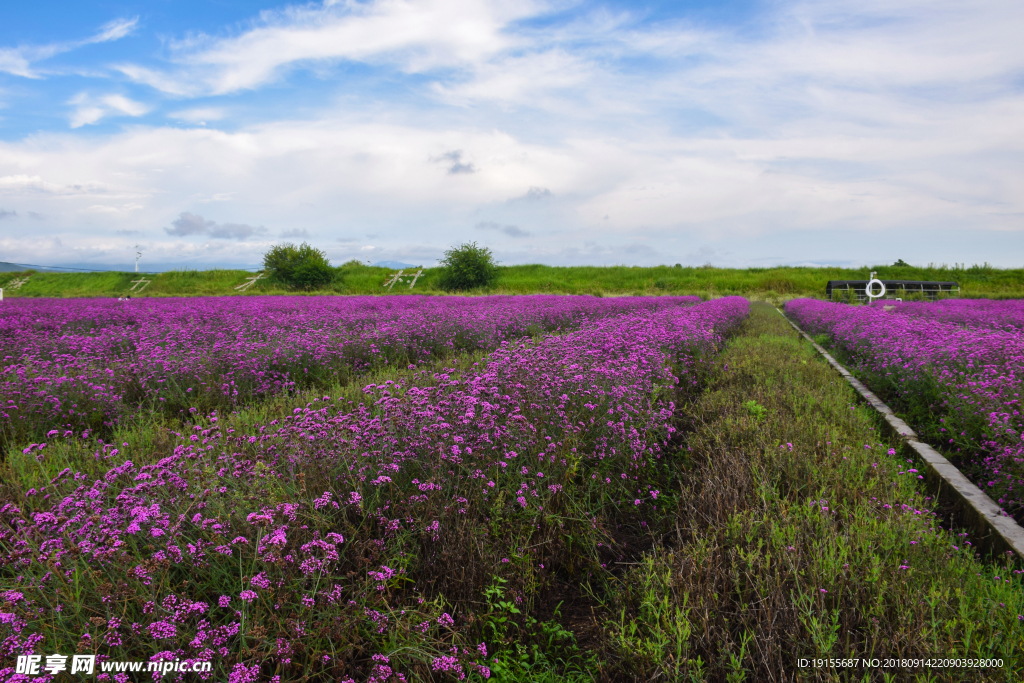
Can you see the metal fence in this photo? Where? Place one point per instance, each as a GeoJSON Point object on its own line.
{"type": "Point", "coordinates": [850, 290]}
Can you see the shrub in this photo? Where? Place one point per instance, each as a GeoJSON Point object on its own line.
{"type": "Point", "coordinates": [302, 267]}
{"type": "Point", "coordinates": [467, 266]}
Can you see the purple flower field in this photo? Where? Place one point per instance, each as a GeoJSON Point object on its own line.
{"type": "Point", "coordinates": [333, 535]}
{"type": "Point", "coordinates": [1005, 315]}
{"type": "Point", "coordinates": [83, 364]}
{"type": "Point", "coordinates": [954, 368]}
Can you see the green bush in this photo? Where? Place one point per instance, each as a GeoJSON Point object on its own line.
{"type": "Point", "coordinates": [467, 266]}
{"type": "Point", "coordinates": [302, 267]}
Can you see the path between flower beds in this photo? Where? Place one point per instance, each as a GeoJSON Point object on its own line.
{"type": "Point", "coordinates": [976, 509]}
{"type": "Point", "coordinates": [801, 531]}
{"type": "Point", "coordinates": [955, 379]}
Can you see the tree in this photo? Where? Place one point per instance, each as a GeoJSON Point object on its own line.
{"type": "Point", "coordinates": [302, 267]}
{"type": "Point", "coordinates": [467, 266]}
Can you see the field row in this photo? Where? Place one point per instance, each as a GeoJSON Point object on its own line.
{"type": "Point", "coordinates": [954, 370]}
{"type": "Point", "coordinates": [299, 538]}
{"type": "Point", "coordinates": [74, 365]}
{"type": "Point", "coordinates": [1006, 315]}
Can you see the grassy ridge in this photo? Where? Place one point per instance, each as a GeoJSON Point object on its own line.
{"type": "Point", "coordinates": [768, 283]}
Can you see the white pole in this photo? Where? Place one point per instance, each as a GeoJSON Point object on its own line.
{"type": "Point", "coordinates": [870, 290]}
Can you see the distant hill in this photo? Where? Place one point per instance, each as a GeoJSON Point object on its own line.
{"type": "Point", "coordinates": [6, 267]}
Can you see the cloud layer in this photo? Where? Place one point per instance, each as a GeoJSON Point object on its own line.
{"type": "Point", "coordinates": [801, 132]}
{"type": "Point", "coordinates": [507, 230]}
{"type": "Point", "coordinates": [193, 225]}
{"type": "Point", "coordinates": [22, 60]}
{"type": "Point", "coordinates": [416, 36]}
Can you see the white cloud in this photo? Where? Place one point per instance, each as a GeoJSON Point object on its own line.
{"type": "Point", "coordinates": [15, 62]}
{"type": "Point", "coordinates": [25, 185]}
{"type": "Point", "coordinates": [550, 75]}
{"type": "Point", "coordinates": [507, 230]}
{"type": "Point", "coordinates": [108, 209]}
{"type": "Point", "coordinates": [124, 105]}
{"type": "Point", "coordinates": [89, 109]}
{"type": "Point", "coordinates": [170, 84]}
{"type": "Point", "coordinates": [114, 30]}
{"type": "Point", "coordinates": [18, 61]}
{"type": "Point", "coordinates": [337, 177]}
{"type": "Point", "coordinates": [85, 114]}
{"type": "Point", "coordinates": [199, 115]}
{"type": "Point", "coordinates": [417, 36]}
{"type": "Point", "coordinates": [189, 224]}
{"type": "Point", "coordinates": [11, 182]}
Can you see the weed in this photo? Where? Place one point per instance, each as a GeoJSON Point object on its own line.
{"type": "Point", "coordinates": [755, 409]}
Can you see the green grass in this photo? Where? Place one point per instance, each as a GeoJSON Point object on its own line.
{"type": "Point", "coordinates": [774, 284]}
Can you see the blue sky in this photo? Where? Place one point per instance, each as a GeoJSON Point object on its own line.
{"type": "Point", "coordinates": [740, 134]}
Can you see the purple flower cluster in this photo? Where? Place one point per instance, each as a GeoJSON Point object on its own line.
{"type": "Point", "coordinates": [80, 364]}
{"type": "Point", "coordinates": [535, 419]}
{"type": "Point", "coordinates": [955, 372]}
{"type": "Point", "coordinates": [1006, 315]}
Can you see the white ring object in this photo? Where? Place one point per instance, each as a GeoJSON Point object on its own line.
{"type": "Point", "coordinates": [870, 287]}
